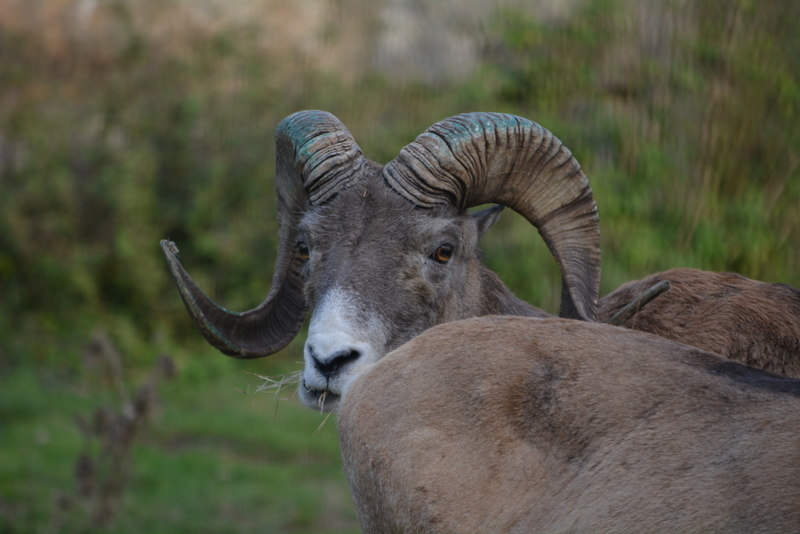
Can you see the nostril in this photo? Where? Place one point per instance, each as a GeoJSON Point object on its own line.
{"type": "Point", "coordinates": [333, 365]}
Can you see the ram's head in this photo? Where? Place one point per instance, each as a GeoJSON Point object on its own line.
{"type": "Point", "coordinates": [381, 254]}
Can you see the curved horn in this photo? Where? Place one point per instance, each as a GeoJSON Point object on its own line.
{"type": "Point", "coordinates": [480, 158]}
{"type": "Point", "coordinates": [315, 158]}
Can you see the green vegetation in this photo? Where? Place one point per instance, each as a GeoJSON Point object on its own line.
{"type": "Point", "coordinates": [683, 114]}
{"type": "Point", "coordinates": [214, 460]}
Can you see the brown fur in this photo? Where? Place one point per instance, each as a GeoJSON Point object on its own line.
{"type": "Point", "coordinates": [509, 424]}
{"type": "Point", "coordinates": [752, 322]}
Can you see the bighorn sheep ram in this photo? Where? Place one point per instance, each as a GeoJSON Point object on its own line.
{"type": "Point", "coordinates": [752, 322]}
{"type": "Point", "coordinates": [381, 254]}
{"type": "Point", "coordinates": [513, 424]}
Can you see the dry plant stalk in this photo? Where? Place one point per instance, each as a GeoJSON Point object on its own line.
{"type": "Point", "coordinates": [103, 469]}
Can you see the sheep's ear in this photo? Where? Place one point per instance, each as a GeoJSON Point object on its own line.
{"type": "Point", "coordinates": [486, 218]}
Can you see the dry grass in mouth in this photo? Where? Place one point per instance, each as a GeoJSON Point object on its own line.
{"type": "Point", "coordinates": [321, 402]}
{"type": "Point", "coordinates": [277, 384]}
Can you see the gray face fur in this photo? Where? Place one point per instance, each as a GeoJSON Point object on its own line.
{"type": "Point", "coordinates": [377, 275]}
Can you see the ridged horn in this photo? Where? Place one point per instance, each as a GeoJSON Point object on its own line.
{"type": "Point", "coordinates": [315, 158]}
{"type": "Point", "coordinates": [481, 158]}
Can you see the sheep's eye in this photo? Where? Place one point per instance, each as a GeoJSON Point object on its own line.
{"type": "Point", "coordinates": [443, 254]}
{"type": "Point", "coordinates": [302, 250]}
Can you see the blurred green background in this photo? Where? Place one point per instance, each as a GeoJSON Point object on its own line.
{"type": "Point", "coordinates": [123, 122]}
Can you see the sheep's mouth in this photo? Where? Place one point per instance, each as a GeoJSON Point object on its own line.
{"type": "Point", "coordinates": [324, 399]}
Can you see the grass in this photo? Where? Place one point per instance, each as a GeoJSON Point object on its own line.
{"type": "Point", "coordinates": [216, 460]}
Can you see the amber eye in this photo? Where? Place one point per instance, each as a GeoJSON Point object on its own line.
{"type": "Point", "coordinates": [302, 250]}
{"type": "Point", "coordinates": [443, 253]}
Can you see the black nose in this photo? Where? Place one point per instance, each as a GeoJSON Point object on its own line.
{"type": "Point", "coordinates": [330, 366]}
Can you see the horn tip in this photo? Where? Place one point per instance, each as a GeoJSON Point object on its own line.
{"type": "Point", "coordinates": [169, 247]}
